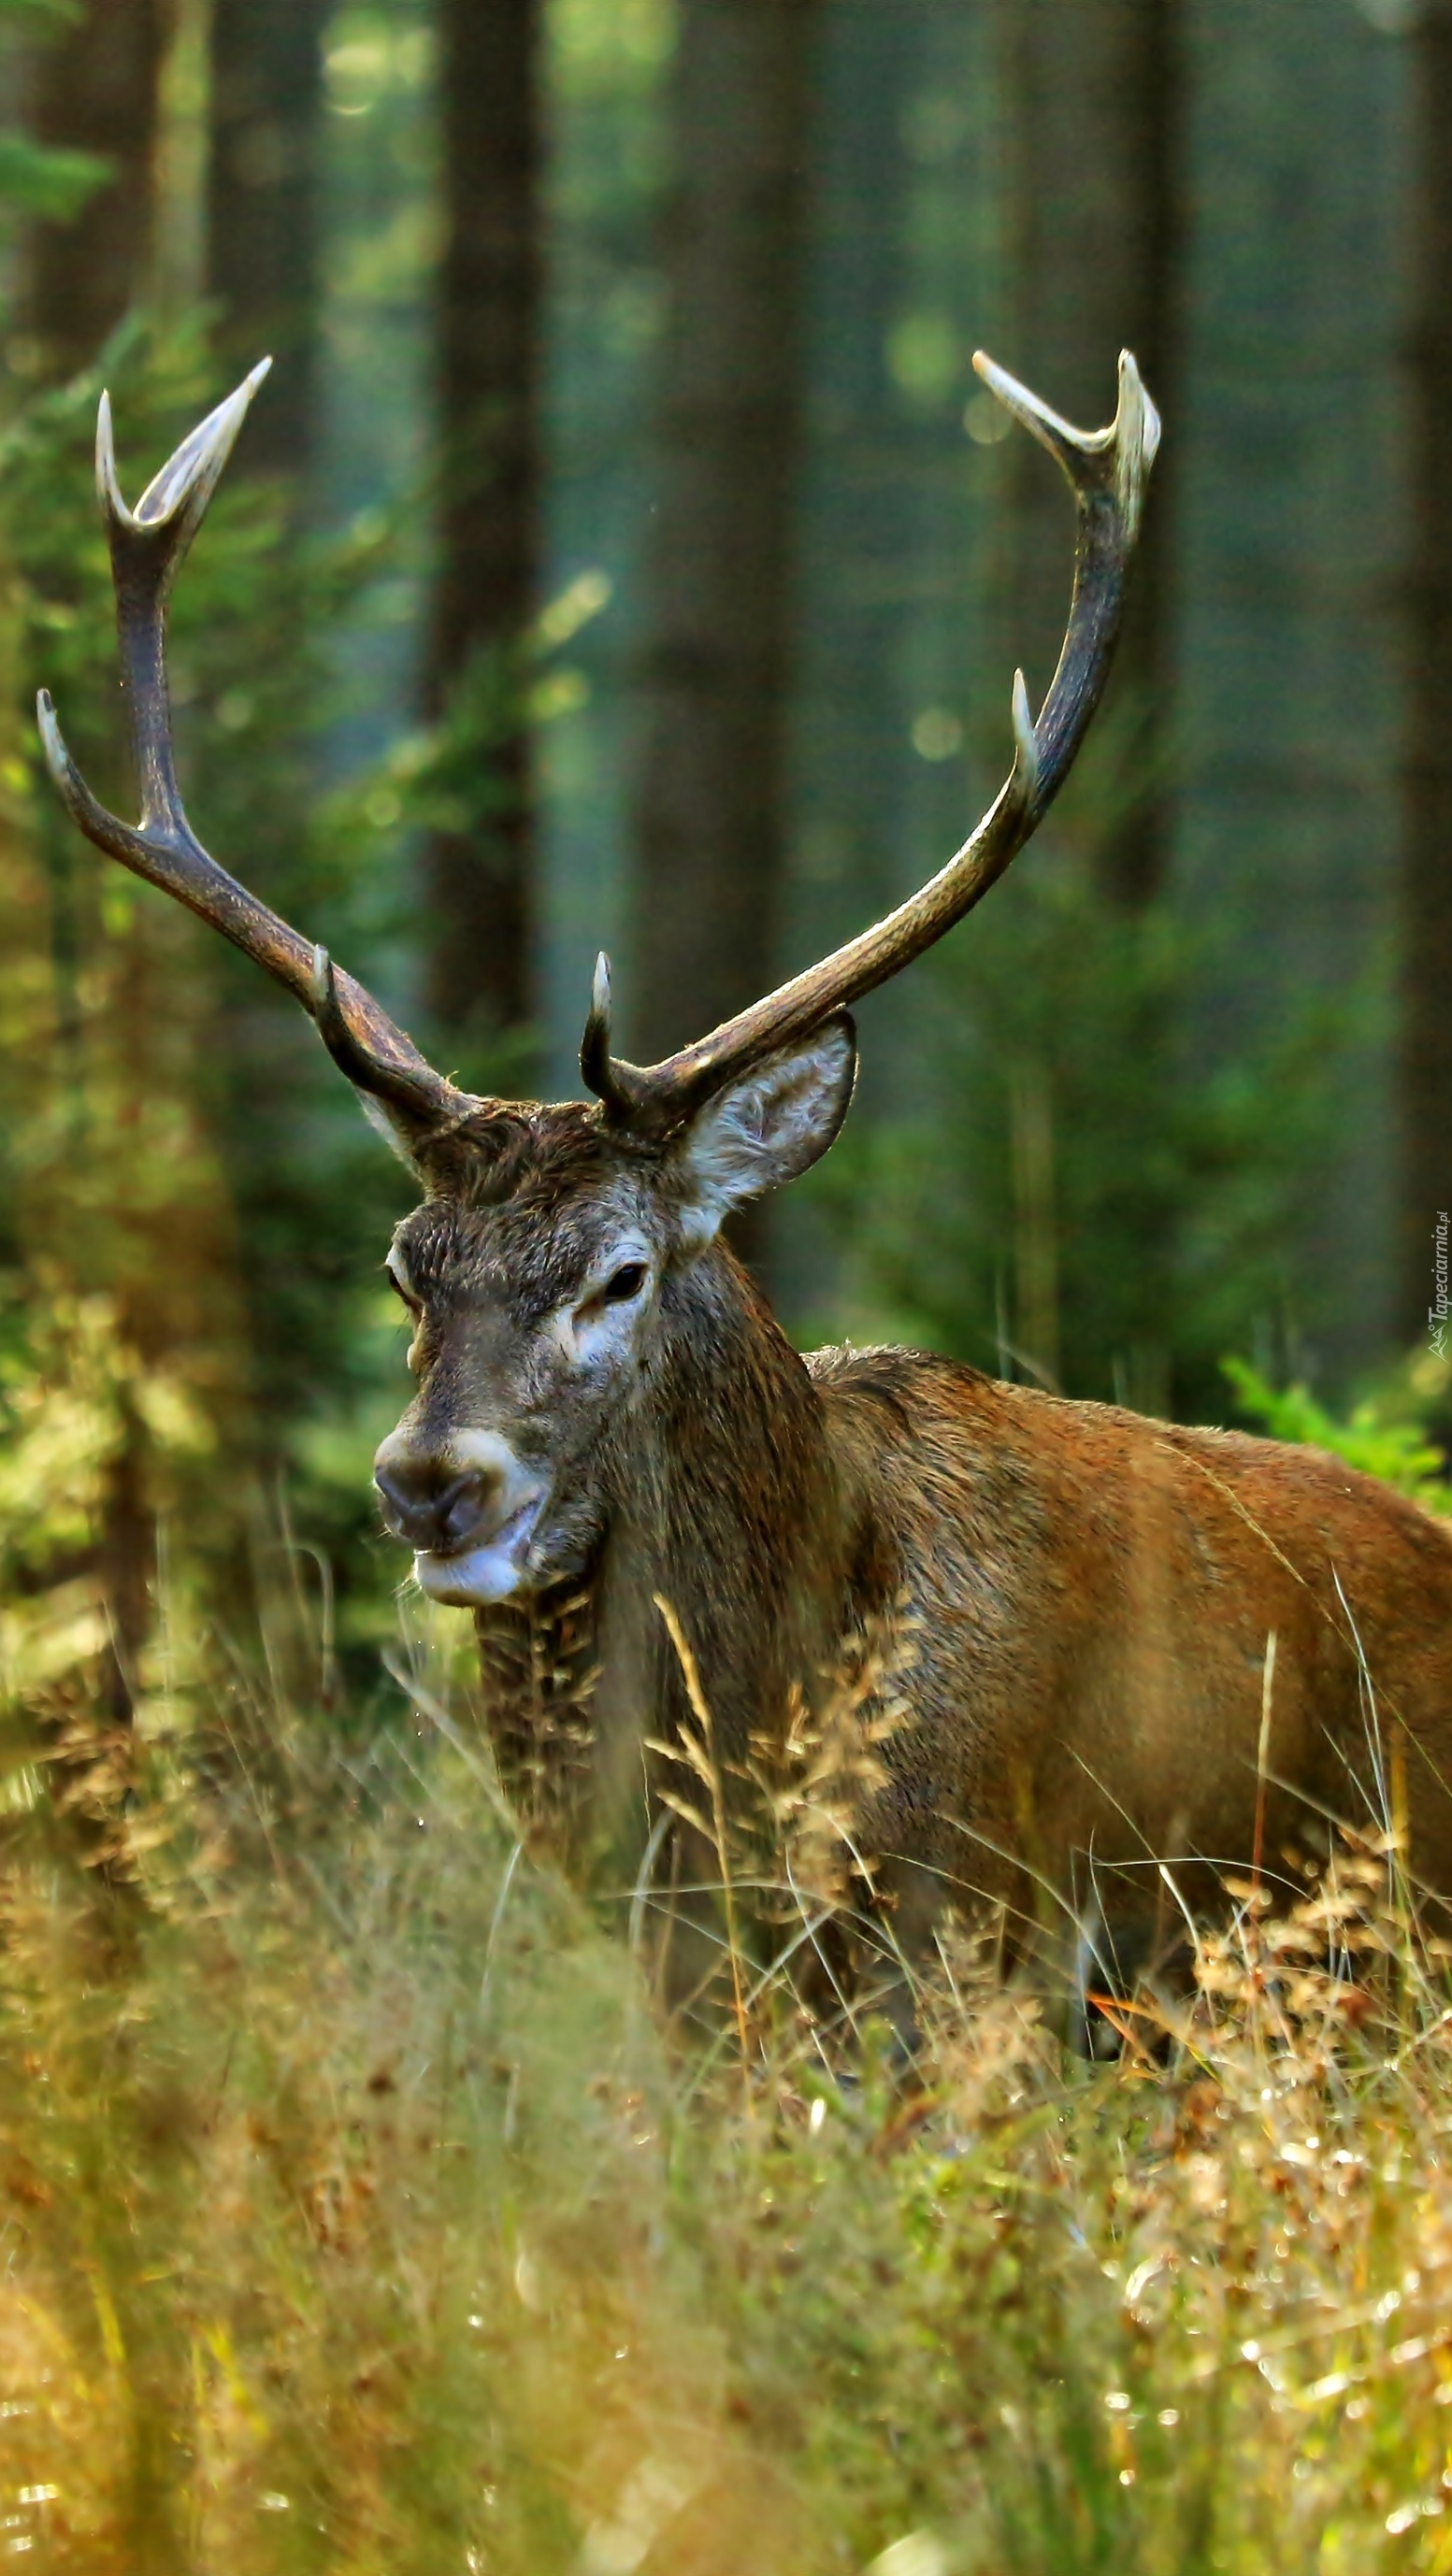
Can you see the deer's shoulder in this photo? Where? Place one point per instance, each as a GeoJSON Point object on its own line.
{"type": "Point", "coordinates": [897, 1396]}
{"type": "Point", "coordinates": [910, 1423]}
{"type": "Point", "coordinates": [1099, 1482]}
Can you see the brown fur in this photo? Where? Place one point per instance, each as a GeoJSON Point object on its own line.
{"type": "Point", "coordinates": [1094, 1593]}
{"type": "Point", "coordinates": [1084, 1597]}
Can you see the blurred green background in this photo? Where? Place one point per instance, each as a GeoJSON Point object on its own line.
{"type": "Point", "coordinates": [623, 553]}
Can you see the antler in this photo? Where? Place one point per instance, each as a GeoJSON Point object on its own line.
{"type": "Point", "coordinates": [1108, 470]}
{"type": "Point", "coordinates": [148, 546]}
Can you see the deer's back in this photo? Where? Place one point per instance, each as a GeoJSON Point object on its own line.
{"type": "Point", "coordinates": [1091, 1596]}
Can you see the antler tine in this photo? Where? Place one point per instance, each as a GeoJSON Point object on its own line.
{"type": "Point", "coordinates": [148, 546]}
{"type": "Point", "coordinates": [1108, 470]}
{"type": "Point", "coordinates": [597, 1064]}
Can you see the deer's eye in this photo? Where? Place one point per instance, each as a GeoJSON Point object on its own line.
{"type": "Point", "coordinates": [621, 1289]}
{"type": "Point", "coordinates": [623, 1284]}
{"type": "Point", "coordinates": [399, 1290]}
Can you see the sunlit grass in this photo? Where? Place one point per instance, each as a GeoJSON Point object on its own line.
{"type": "Point", "coordinates": [362, 2212]}
{"type": "Point", "coordinates": [372, 2202]}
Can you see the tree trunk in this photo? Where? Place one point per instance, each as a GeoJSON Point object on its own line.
{"type": "Point", "coordinates": [96, 91]}
{"type": "Point", "coordinates": [262, 211]}
{"type": "Point", "coordinates": [1096, 232]}
{"type": "Point", "coordinates": [716, 662]}
{"type": "Point", "coordinates": [1426, 975]}
{"type": "Point", "coordinates": [489, 321]}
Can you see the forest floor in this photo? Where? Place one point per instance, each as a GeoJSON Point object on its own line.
{"type": "Point", "coordinates": [361, 2213]}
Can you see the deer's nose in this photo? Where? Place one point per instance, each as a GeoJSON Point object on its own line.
{"type": "Point", "coordinates": [434, 1507]}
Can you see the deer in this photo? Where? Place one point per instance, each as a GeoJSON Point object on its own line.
{"type": "Point", "coordinates": [1122, 1651]}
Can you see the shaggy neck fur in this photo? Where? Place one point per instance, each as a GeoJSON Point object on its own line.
{"type": "Point", "coordinates": [724, 1502]}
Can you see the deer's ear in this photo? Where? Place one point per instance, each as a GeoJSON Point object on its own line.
{"type": "Point", "coordinates": [767, 1128]}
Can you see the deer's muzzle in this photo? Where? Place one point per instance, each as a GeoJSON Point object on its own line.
{"type": "Point", "coordinates": [468, 1510]}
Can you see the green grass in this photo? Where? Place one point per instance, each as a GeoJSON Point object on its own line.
{"type": "Point", "coordinates": [361, 2213]}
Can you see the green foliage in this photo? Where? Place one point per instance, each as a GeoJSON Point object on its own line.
{"type": "Point", "coordinates": [77, 1400]}
{"type": "Point", "coordinates": [225, 1117]}
{"type": "Point", "coordinates": [1377, 1436]}
{"type": "Point", "coordinates": [39, 180]}
{"type": "Point", "coordinates": [278, 1155]}
{"type": "Point", "coordinates": [1079, 1197]}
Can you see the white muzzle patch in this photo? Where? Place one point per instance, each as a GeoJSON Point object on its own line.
{"type": "Point", "coordinates": [491, 1571]}
{"type": "Point", "coordinates": [493, 1567]}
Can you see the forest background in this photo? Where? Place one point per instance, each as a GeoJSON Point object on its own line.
{"type": "Point", "coordinates": [623, 554]}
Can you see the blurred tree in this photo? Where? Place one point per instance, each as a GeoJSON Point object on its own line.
{"type": "Point", "coordinates": [116, 1208]}
{"type": "Point", "coordinates": [35, 179]}
{"type": "Point", "coordinates": [1426, 927]}
{"type": "Point", "coordinates": [608, 77]}
{"type": "Point", "coordinates": [1092, 250]}
{"type": "Point", "coordinates": [1289, 442]}
{"type": "Point", "coordinates": [1095, 146]}
{"type": "Point", "coordinates": [263, 210]}
{"type": "Point", "coordinates": [263, 220]}
{"type": "Point", "coordinates": [720, 591]}
{"type": "Point", "coordinates": [488, 372]}
{"type": "Point", "coordinates": [97, 90]}
{"type": "Point", "coordinates": [886, 529]}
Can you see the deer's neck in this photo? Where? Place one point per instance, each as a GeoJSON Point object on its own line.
{"type": "Point", "coordinates": [725, 1504]}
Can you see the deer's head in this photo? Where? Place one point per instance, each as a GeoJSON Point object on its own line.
{"type": "Point", "coordinates": [554, 1262]}
{"type": "Point", "coordinates": [558, 1248]}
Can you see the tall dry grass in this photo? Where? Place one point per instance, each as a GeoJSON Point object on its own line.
{"type": "Point", "coordinates": [360, 2215]}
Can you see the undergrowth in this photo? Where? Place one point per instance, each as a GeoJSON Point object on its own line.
{"type": "Point", "coordinates": [365, 2211]}
{"type": "Point", "coordinates": [361, 2214]}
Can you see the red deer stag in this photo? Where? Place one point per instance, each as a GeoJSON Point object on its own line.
{"type": "Point", "coordinates": [607, 1416]}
